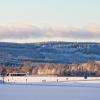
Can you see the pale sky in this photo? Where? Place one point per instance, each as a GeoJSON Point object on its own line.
{"type": "Point", "coordinates": [44, 20]}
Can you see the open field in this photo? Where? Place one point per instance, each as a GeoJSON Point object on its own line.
{"type": "Point", "coordinates": [48, 79]}
{"type": "Point", "coordinates": [70, 91]}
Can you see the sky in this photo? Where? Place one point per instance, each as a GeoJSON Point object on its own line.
{"type": "Point", "coordinates": [49, 20]}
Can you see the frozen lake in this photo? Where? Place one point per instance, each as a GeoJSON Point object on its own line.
{"type": "Point", "coordinates": [68, 91]}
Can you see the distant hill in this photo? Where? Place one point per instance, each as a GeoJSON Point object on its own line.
{"type": "Point", "coordinates": [49, 52]}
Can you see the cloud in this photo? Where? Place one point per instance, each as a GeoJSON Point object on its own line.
{"type": "Point", "coordinates": [19, 32]}
{"type": "Point", "coordinates": [29, 32]}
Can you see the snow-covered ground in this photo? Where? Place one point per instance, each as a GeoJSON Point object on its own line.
{"type": "Point", "coordinates": [69, 91]}
{"type": "Point", "coordinates": [45, 79]}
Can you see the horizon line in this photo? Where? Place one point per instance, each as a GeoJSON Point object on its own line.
{"type": "Point", "coordinates": [50, 41]}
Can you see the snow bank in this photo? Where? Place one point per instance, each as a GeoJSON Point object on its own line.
{"type": "Point", "coordinates": [37, 79]}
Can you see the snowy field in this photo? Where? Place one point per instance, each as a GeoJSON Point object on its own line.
{"type": "Point", "coordinates": [35, 79]}
{"type": "Point", "coordinates": [54, 91]}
